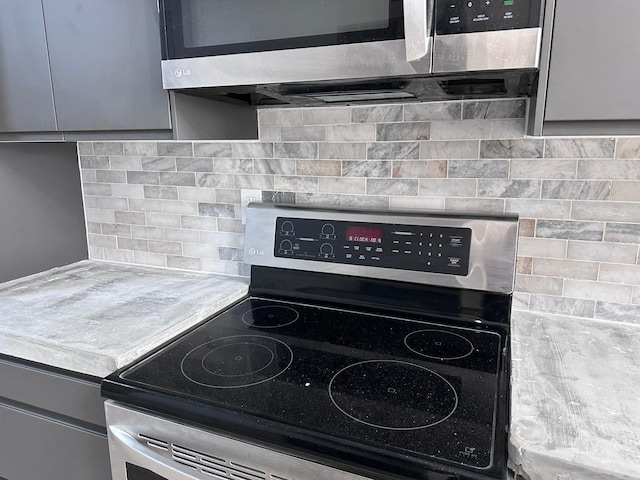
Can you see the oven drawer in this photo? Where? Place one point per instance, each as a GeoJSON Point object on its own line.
{"type": "Point", "coordinates": [145, 447]}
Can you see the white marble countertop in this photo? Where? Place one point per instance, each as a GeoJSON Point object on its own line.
{"type": "Point", "coordinates": [95, 317]}
{"type": "Point", "coordinates": [575, 398]}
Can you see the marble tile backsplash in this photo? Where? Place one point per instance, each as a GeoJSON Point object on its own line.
{"type": "Point", "coordinates": [177, 204]}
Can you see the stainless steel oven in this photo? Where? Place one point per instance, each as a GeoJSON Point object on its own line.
{"type": "Point", "coordinates": [371, 345]}
{"type": "Point", "coordinates": [274, 52]}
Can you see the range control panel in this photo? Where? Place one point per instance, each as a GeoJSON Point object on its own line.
{"type": "Point", "coordinates": [431, 249]}
{"type": "Point", "coordinates": [469, 16]}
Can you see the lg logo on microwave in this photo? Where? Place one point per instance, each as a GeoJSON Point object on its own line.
{"type": "Point", "coordinates": [182, 72]}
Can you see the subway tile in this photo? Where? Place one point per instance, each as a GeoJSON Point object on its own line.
{"type": "Point", "coordinates": [226, 239]}
{"type": "Point", "coordinates": [460, 129]}
{"type": "Point", "coordinates": [622, 232]}
{"type": "Point", "coordinates": [570, 230]}
{"type": "Point", "coordinates": [539, 168]}
{"type": "Point", "coordinates": [125, 243]}
{"type": "Point", "coordinates": [199, 251]}
{"type": "Point", "coordinates": [97, 189]}
{"type": "Point", "coordinates": [609, 169]}
{"type": "Point", "coordinates": [474, 205]}
{"type": "Point", "coordinates": [231, 254]}
{"type": "Point", "coordinates": [154, 191]}
{"type": "Point", "coordinates": [149, 259]}
{"type": "Point", "coordinates": [195, 194]}
{"type": "Point", "coordinates": [194, 164]}
{"type": "Point", "coordinates": [388, 186]}
{"type": "Point", "coordinates": [259, 182]}
{"type": "Point", "coordinates": [551, 267]}
{"type": "Point", "coordinates": [113, 203]}
{"type": "Point", "coordinates": [111, 176]}
{"type": "Point", "coordinates": [606, 211]}
{"type": "Point", "coordinates": [186, 179]}
{"type": "Point", "coordinates": [288, 198]}
{"type": "Point", "coordinates": [219, 210]}
{"type": "Point", "coordinates": [508, 188]}
{"type": "Point", "coordinates": [433, 111]}
{"type": "Point", "coordinates": [131, 218]}
{"type": "Point", "coordinates": [598, 291]}
{"type": "Point", "coordinates": [534, 208]}
{"type": "Point", "coordinates": [515, 108]}
{"type": "Point", "coordinates": [184, 263]}
{"type": "Point", "coordinates": [624, 191]}
{"type": "Point", "coordinates": [179, 207]}
{"type": "Point", "coordinates": [562, 305]}
{"type": "Point", "coordinates": [326, 116]}
{"type": "Point", "coordinates": [618, 312]}
{"type": "Point", "coordinates": [636, 295]}
{"type": "Point", "coordinates": [143, 178]}
{"type": "Point", "coordinates": [104, 241]}
{"type": "Point", "coordinates": [212, 149]}
{"type": "Point", "coordinates": [215, 180]}
{"type": "Point", "coordinates": [252, 150]}
{"type": "Point", "coordinates": [158, 164]}
{"type": "Point", "coordinates": [224, 195]}
{"type": "Point", "coordinates": [140, 149]}
{"type": "Point", "coordinates": [520, 301]}
{"type": "Point", "coordinates": [280, 117]}
{"type": "Point", "coordinates": [274, 166]}
{"type": "Point", "coordinates": [122, 256]}
{"type": "Point", "coordinates": [220, 267]}
{"type": "Point", "coordinates": [478, 168]}
{"type": "Point", "coordinates": [576, 190]}
{"type": "Point", "coordinates": [175, 149]}
{"type": "Point", "coordinates": [376, 114]}
{"type": "Point", "coordinates": [296, 183]}
{"type": "Point", "coordinates": [614, 273]}
{"type": "Point", "coordinates": [96, 253]}
{"type": "Point", "coordinates": [390, 132]}
{"type": "Point", "coordinates": [100, 216]}
{"type": "Point", "coordinates": [441, 187]}
{"type": "Point", "coordinates": [125, 163]}
{"type": "Point", "coordinates": [108, 148]}
{"type": "Point", "coordinates": [351, 133]}
{"type": "Point", "coordinates": [182, 235]}
{"type": "Point", "coordinates": [301, 150]}
{"type": "Point", "coordinates": [323, 168]}
{"type": "Point", "coordinates": [515, 148]}
{"type": "Point", "coordinates": [199, 223]}
{"type": "Point", "coordinates": [230, 225]}
{"type": "Point", "coordinates": [95, 227]}
{"type": "Point", "coordinates": [167, 248]}
{"type": "Point", "coordinates": [303, 134]}
{"type": "Point", "coordinates": [127, 191]}
{"type": "Point", "coordinates": [269, 134]}
{"type": "Point", "coordinates": [163, 220]}
{"type": "Point", "coordinates": [420, 169]}
{"type": "Point", "coordinates": [95, 162]}
{"type": "Point", "coordinates": [88, 176]}
{"type": "Point", "coordinates": [366, 168]}
{"type": "Point", "coordinates": [416, 203]}
{"type": "Point", "coordinates": [540, 285]}
{"type": "Point", "coordinates": [602, 252]}
{"type": "Point", "coordinates": [628, 147]}
{"type": "Point", "coordinates": [393, 150]}
{"type": "Point", "coordinates": [542, 247]}
{"type": "Point", "coordinates": [579, 148]}
{"type": "Point", "coordinates": [454, 149]}
{"type": "Point", "coordinates": [145, 205]}
{"type": "Point", "coordinates": [85, 148]}
{"type": "Point", "coordinates": [342, 151]}
{"type": "Point", "coordinates": [527, 227]}
{"type": "Point", "coordinates": [147, 233]}
{"type": "Point", "coordinates": [524, 265]}
{"type": "Point", "coordinates": [508, 128]}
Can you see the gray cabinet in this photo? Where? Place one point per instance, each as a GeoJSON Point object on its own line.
{"type": "Point", "coordinates": [26, 98]}
{"type": "Point", "coordinates": [97, 70]}
{"type": "Point", "coordinates": [590, 86]}
{"type": "Point", "coordinates": [52, 425]}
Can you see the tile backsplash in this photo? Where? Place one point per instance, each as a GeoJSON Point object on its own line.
{"type": "Point", "coordinates": [177, 204]}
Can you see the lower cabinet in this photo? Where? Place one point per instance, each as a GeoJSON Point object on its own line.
{"type": "Point", "coordinates": [51, 425]}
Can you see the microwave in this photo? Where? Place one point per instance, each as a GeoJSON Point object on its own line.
{"type": "Point", "coordinates": [314, 52]}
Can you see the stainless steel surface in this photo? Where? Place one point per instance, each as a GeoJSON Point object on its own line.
{"type": "Point", "coordinates": [154, 444]}
{"type": "Point", "coordinates": [418, 27]}
{"type": "Point", "coordinates": [497, 50]}
{"type": "Point", "coordinates": [352, 61]}
{"type": "Point", "coordinates": [493, 246]}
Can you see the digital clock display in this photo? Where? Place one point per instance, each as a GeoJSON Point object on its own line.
{"type": "Point", "coordinates": [364, 234]}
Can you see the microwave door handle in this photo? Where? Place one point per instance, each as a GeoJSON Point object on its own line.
{"type": "Point", "coordinates": [418, 21]}
{"type": "Point", "coordinates": [145, 458]}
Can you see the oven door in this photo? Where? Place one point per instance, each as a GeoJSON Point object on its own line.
{"type": "Point", "coordinates": [213, 43]}
{"type": "Point", "coordinates": [147, 447]}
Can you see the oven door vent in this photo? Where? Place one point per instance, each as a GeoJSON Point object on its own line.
{"type": "Point", "coordinates": [209, 465]}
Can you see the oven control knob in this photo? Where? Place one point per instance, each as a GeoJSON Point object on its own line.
{"type": "Point", "coordinates": [287, 227]}
{"type": "Point", "coordinates": [328, 229]}
{"type": "Point", "coordinates": [286, 245]}
{"type": "Point", "coordinates": [326, 249]}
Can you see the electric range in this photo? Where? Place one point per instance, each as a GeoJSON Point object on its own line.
{"type": "Point", "coordinates": [371, 345]}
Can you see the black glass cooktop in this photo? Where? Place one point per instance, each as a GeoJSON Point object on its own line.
{"type": "Point", "coordinates": [423, 388]}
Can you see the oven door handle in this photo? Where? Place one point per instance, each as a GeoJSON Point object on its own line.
{"type": "Point", "coordinates": [418, 28]}
{"type": "Point", "coordinates": [146, 458]}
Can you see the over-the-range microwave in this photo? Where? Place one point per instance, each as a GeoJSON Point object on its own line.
{"type": "Point", "coordinates": [315, 52]}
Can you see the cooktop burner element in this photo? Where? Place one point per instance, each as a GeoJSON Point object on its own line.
{"type": "Point", "coordinates": [439, 344]}
{"type": "Point", "coordinates": [270, 316]}
{"type": "Point", "coordinates": [393, 395]}
{"type": "Point", "coordinates": [236, 361]}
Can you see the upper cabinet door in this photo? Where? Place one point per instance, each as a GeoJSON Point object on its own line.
{"type": "Point", "coordinates": [105, 64]}
{"type": "Point", "coordinates": [595, 62]}
{"type": "Point", "coordinates": [26, 100]}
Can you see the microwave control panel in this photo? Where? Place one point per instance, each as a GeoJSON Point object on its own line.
{"type": "Point", "coordinates": [433, 249]}
{"type": "Point", "coordinates": [470, 16]}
